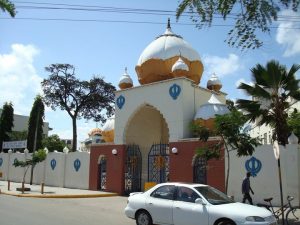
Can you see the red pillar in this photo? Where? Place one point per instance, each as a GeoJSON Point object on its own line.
{"type": "Point", "coordinates": [114, 167]}
{"type": "Point", "coordinates": [181, 168]}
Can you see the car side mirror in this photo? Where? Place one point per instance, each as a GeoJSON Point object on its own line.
{"type": "Point", "coordinates": [200, 201]}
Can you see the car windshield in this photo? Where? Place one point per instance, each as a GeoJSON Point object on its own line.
{"type": "Point", "coordinates": [213, 196]}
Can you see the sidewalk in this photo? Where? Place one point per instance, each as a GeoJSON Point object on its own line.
{"type": "Point", "coordinates": [50, 192]}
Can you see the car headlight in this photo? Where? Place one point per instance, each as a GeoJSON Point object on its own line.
{"type": "Point", "coordinates": [255, 218]}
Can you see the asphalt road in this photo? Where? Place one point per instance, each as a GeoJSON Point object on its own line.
{"type": "Point", "coordinates": [84, 211]}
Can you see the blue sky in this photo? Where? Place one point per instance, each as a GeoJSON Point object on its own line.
{"type": "Point", "coordinates": [37, 38]}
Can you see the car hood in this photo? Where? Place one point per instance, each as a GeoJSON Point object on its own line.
{"type": "Point", "coordinates": [135, 193]}
{"type": "Point", "coordinates": [240, 210]}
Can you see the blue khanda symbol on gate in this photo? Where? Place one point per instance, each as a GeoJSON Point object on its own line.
{"type": "Point", "coordinates": [1, 162]}
{"type": "Point", "coordinates": [253, 165]}
{"type": "Point", "coordinates": [53, 164]}
{"type": "Point", "coordinates": [174, 91]}
{"type": "Point", "coordinates": [77, 164]}
{"type": "Point", "coordinates": [120, 101]}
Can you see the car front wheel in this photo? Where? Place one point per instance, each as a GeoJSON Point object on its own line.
{"type": "Point", "coordinates": [143, 218]}
{"type": "Point", "coordinates": [225, 222]}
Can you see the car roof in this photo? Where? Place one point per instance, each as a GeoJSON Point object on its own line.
{"type": "Point", "coordinates": [184, 184]}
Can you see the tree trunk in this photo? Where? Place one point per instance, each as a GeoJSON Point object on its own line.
{"type": "Point", "coordinates": [228, 165]}
{"type": "Point", "coordinates": [74, 144]}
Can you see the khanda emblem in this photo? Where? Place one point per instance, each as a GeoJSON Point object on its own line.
{"type": "Point", "coordinates": [53, 164]}
{"type": "Point", "coordinates": [77, 164]}
{"type": "Point", "coordinates": [174, 91]}
{"type": "Point", "coordinates": [253, 165]}
{"type": "Point", "coordinates": [120, 101]}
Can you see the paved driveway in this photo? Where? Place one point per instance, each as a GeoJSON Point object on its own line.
{"type": "Point", "coordinates": [38, 211]}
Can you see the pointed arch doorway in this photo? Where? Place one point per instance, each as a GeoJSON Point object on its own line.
{"type": "Point", "coordinates": [146, 126]}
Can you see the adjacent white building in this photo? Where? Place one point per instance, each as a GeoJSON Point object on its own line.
{"type": "Point", "coordinates": [264, 132]}
{"type": "Point", "coordinates": [21, 124]}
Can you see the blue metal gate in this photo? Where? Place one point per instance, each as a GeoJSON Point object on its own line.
{"type": "Point", "coordinates": [158, 163]}
{"type": "Point", "coordinates": [102, 174]}
{"type": "Point", "coordinates": [133, 169]}
{"type": "Point", "coordinates": [200, 170]}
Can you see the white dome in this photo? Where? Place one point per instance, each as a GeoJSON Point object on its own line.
{"type": "Point", "coordinates": [125, 79]}
{"type": "Point", "coordinates": [180, 65]}
{"type": "Point", "coordinates": [167, 46]}
{"type": "Point", "coordinates": [109, 125]}
{"type": "Point", "coordinates": [211, 108]}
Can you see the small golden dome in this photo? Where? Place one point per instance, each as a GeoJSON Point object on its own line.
{"type": "Point", "coordinates": [95, 131]}
{"type": "Point", "coordinates": [108, 132]}
{"type": "Point", "coordinates": [125, 81]}
{"type": "Point", "coordinates": [214, 83]}
{"type": "Point", "coordinates": [207, 112]}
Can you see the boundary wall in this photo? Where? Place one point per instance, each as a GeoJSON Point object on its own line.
{"type": "Point", "coordinates": [265, 182]}
{"type": "Point", "coordinates": [70, 170]}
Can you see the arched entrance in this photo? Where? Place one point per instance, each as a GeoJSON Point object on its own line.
{"type": "Point", "coordinates": [145, 127]}
{"type": "Point", "coordinates": [101, 185]}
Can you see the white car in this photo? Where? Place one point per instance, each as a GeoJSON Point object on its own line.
{"type": "Point", "coordinates": [192, 204]}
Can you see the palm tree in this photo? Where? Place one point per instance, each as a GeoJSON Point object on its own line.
{"type": "Point", "coordinates": [274, 90]}
{"type": "Point", "coordinates": [6, 5]}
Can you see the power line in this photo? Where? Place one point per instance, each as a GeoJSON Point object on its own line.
{"type": "Point", "coordinates": [112, 9]}
{"type": "Point", "coordinates": [126, 21]}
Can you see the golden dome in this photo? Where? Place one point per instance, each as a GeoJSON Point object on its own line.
{"type": "Point", "coordinates": [95, 131]}
{"type": "Point", "coordinates": [158, 58]}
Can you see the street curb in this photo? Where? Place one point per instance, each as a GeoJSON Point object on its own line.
{"type": "Point", "coordinates": [61, 195]}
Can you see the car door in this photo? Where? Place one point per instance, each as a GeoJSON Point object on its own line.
{"type": "Point", "coordinates": [160, 204]}
{"type": "Point", "coordinates": [186, 211]}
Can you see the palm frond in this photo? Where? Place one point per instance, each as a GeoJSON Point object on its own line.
{"type": "Point", "coordinates": [182, 7]}
{"type": "Point", "coordinates": [6, 5]}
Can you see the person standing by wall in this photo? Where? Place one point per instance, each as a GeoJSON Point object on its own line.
{"type": "Point", "coordinates": [246, 188]}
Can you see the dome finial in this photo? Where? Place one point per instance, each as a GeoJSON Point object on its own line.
{"type": "Point", "coordinates": [126, 69]}
{"type": "Point", "coordinates": [169, 24]}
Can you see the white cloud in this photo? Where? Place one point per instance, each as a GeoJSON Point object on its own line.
{"type": "Point", "coordinates": [222, 66]}
{"type": "Point", "coordinates": [20, 82]}
{"type": "Point", "coordinates": [238, 82]}
{"type": "Point", "coordinates": [287, 35]}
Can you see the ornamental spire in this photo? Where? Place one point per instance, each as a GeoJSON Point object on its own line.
{"type": "Point", "coordinates": [169, 24]}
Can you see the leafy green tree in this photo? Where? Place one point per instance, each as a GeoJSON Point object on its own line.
{"type": "Point", "coordinates": [37, 157]}
{"type": "Point", "coordinates": [294, 123]}
{"type": "Point", "coordinates": [251, 17]}
{"type": "Point", "coordinates": [81, 99]}
{"type": "Point", "coordinates": [35, 125]}
{"type": "Point", "coordinates": [6, 122]}
{"type": "Point", "coordinates": [230, 128]}
{"type": "Point", "coordinates": [18, 135]}
{"type": "Point", "coordinates": [8, 6]}
{"type": "Point", "coordinates": [272, 93]}
{"type": "Point", "coordinates": [53, 142]}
